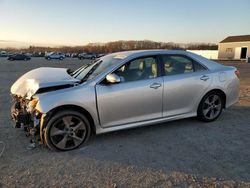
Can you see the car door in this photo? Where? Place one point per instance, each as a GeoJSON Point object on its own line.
{"type": "Point", "coordinates": [138, 97]}
{"type": "Point", "coordinates": [53, 56]}
{"type": "Point", "coordinates": [56, 55]}
{"type": "Point", "coordinates": [19, 57]}
{"type": "Point", "coordinates": [185, 82]}
{"type": "Point", "coordinates": [22, 57]}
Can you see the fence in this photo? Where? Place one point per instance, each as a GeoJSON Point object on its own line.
{"type": "Point", "coordinates": [209, 54]}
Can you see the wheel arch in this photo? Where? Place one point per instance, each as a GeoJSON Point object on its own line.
{"type": "Point", "coordinates": [71, 107]}
{"type": "Point", "coordinates": [221, 92]}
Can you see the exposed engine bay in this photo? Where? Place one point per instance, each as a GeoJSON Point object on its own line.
{"type": "Point", "coordinates": [24, 101]}
{"type": "Point", "coordinates": [25, 116]}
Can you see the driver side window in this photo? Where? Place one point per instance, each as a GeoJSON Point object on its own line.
{"type": "Point", "coordinates": [138, 69]}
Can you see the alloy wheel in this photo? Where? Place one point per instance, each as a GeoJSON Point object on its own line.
{"type": "Point", "coordinates": [212, 106]}
{"type": "Point", "coordinates": [68, 132]}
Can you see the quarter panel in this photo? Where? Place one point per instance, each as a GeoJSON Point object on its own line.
{"type": "Point", "coordinates": [232, 88]}
{"type": "Point", "coordinates": [232, 92]}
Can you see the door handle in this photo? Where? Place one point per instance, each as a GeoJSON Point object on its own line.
{"type": "Point", "coordinates": [204, 78]}
{"type": "Point", "coordinates": [155, 85]}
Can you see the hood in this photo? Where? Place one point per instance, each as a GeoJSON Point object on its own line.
{"type": "Point", "coordinates": [41, 78]}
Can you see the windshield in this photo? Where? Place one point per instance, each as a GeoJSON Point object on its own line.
{"type": "Point", "coordinates": [93, 69]}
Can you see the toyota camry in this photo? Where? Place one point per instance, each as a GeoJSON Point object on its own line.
{"type": "Point", "coordinates": [119, 91]}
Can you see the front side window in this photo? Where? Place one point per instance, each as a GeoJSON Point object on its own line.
{"type": "Point", "coordinates": [92, 70]}
{"type": "Point", "coordinates": [178, 64]}
{"type": "Point", "coordinates": [138, 69]}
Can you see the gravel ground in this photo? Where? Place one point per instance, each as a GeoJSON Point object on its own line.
{"type": "Point", "coordinates": [184, 153]}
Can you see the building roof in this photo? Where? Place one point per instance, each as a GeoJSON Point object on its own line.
{"type": "Point", "coordinates": [240, 38]}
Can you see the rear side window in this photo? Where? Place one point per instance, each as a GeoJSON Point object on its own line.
{"type": "Point", "coordinates": [178, 64]}
{"type": "Point", "coordinates": [198, 66]}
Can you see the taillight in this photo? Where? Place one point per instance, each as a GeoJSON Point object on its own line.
{"type": "Point", "coordinates": [237, 73]}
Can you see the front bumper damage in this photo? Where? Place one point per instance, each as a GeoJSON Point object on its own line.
{"type": "Point", "coordinates": [26, 118]}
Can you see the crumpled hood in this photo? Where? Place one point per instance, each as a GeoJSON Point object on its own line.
{"type": "Point", "coordinates": [44, 77]}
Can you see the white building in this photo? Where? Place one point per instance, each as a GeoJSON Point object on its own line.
{"type": "Point", "coordinates": [235, 47]}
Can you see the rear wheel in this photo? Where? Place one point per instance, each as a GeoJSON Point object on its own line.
{"type": "Point", "coordinates": [210, 107]}
{"type": "Point", "coordinates": [67, 130]}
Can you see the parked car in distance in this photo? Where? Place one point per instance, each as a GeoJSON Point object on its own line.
{"type": "Point", "coordinates": [80, 55]}
{"type": "Point", "coordinates": [38, 54]}
{"type": "Point", "coordinates": [119, 91]}
{"type": "Point", "coordinates": [87, 56]}
{"type": "Point", "coordinates": [19, 57]}
{"type": "Point", "coordinates": [29, 54]}
{"type": "Point", "coordinates": [74, 55]}
{"type": "Point", "coordinates": [67, 55]}
{"type": "Point", "coordinates": [100, 55]}
{"type": "Point", "coordinates": [55, 55]}
{"type": "Point", "coordinates": [3, 54]}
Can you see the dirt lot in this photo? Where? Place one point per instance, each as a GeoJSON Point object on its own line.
{"type": "Point", "coordinates": [180, 153]}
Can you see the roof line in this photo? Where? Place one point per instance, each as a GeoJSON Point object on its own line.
{"type": "Point", "coordinates": [234, 42]}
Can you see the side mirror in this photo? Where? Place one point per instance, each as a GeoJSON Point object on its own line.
{"type": "Point", "coordinates": [113, 78]}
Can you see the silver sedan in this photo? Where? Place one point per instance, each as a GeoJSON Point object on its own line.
{"type": "Point", "coordinates": [118, 91]}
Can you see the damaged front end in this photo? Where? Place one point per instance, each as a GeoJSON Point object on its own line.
{"type": "Point", "coordinates": [25, 115]}
{"type": "Point", "coordinates": [25, 93]}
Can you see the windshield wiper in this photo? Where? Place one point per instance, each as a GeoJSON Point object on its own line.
{"type": "Point", "coordinates": [79, 70]}
{"type": "Point", "coordinates": [91, 71]}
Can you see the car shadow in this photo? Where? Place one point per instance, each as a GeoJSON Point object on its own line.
{"type": "Point", "coordinates": [216, 149]}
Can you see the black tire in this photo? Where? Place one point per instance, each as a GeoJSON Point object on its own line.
{"type": "Point", "coordinates": [210, 111]}
{"type": "Point", "coordinates": [57, 120]}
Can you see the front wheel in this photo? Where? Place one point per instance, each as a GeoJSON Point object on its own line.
{"type": "Point", "coordinates": [210, 107]}
{"type": "Point", "coordinates": [67, 130]}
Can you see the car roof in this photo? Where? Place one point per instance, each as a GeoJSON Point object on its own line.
{"type": "Point", "coordinates": [212, 65]}
{"type": "Point", "coordinates": [146, 52]}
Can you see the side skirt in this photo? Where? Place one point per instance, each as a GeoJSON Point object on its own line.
{"type": "Point", "coordinates": [100, 130]}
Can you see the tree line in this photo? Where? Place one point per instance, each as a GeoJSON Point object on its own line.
{"type": "Point", "coordinates": [117, 46]}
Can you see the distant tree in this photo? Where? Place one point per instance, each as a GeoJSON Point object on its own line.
{"type": "Point", "coordinates": [202, 46]}
{"type": "Point", "coordinates": [117, 46]}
